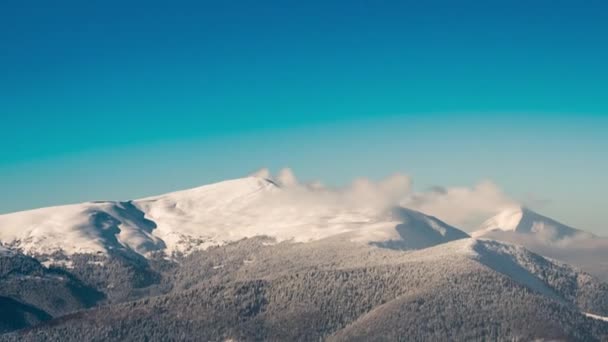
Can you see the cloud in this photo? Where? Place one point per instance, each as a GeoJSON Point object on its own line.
{"type": "Point", "coordinates": [287, 178]}
{"type": "Point", "coordinates": [384, 193]}
{"type": "Point", "coordinates": [460, 206]}
{"type": "Point", "coordinates": [262, 173]}
{"type": "Point", "coordinates": [463, 207]}
{"type": "Point", "coordinates": [362, 193]}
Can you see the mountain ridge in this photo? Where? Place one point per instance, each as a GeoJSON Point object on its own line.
{"type": "Point", "coordinates": [248, 259]}
{"type": "Point", "coordinates": [215, 214]}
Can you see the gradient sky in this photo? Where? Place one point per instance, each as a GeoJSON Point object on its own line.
{"type": "Point", "coordinates": [120, 99]}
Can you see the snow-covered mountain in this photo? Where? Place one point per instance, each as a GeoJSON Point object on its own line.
{"type": "Point", "coordinates": [248, 257]}
{"type": "Point", "coordinates": [521, 220]}
{"type": "Point", "coordinates": [550, 238]}
{"type": "Point", "coordinates": [213, 215]}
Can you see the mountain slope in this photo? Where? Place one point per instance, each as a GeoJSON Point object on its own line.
{"type": "Point", "coordinates": [417, 231]}
{"type": "Point", "coordinates": [30, 292]}
{"type": "Point", "coordinates": [122, 249]}
{"type": "Point", "coordinates": [452, 312]}
{"type": "Point", "coordinates": [310, 292]}
{"type": "Point", "coordinates": [93, 227]}
{"type": "Point", "coordinates": [15, 315]}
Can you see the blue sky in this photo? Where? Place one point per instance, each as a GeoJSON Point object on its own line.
{"type": "Point", "coordinates": [114, 100]}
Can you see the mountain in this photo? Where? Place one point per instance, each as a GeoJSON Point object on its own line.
{"type": "Point", "coordinates": [525, 221]}
{"type": "Point", "coordinates": [548, 237]}
{"type": "Point", "coordinates": [247, 259]}
{"type": "Point", "coordinates": [211, 215]}
{"type": "Point", "coordinates": [123, 249]}
{"type": "Point", "coordinates": [228, 211]}
{"type": "Point", "coordinates": [335, 289]}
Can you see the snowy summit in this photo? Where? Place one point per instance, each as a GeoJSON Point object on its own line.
{"type": "Point", "coordinates": [216, 214]}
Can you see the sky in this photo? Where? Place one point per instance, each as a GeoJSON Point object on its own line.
{"type": "Point", "coordinates": [124, 99]}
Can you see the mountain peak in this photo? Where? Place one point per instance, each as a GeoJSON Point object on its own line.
{"type": "Point", "coordinates": [520, 219]}
{"type": "Point", "coordinates": [508, 219]}
{"type": "Point", "coordinates": [236, 187]}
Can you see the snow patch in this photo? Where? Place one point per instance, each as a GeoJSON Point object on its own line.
{"type": "Point", "coordinates": [507, 220]}
{"type": "Point", "coordinates": [601, 318]}
{"type": "Point", "coordinates": [58, 263]}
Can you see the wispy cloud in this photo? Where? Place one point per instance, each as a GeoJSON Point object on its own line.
{"type": "Point", "coordinates": [463, 207]}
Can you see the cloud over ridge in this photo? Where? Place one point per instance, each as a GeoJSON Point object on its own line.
{"type": "Point", "coordinates": [460, 206]}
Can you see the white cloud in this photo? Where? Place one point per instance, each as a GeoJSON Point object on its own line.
{"type": "Point", "coordinates": [384, 193]}
{"type": "Point", "coordinates": [286, 178]}
{"type": "Point", "coordinates": [262, 173]}
{"type": "Point", "coordinates": [463, 207]}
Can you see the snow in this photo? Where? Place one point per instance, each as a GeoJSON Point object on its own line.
{"type": "Point", "coordinates": [513, 261]}
{"type": "Point", "coordinates": [472, 248]}
{"type": "Point", "coordinates": [212, 215]}
{"type": "Point", "coordinates": [463, 248]}
{"type": "Point", "coordinates": [601, 318]}
{"type": "Point", "coordinates": [506, 220]}
{"type": "Point", "coordinates": [58, 263]}
{"type": "Point", "coordinates": [522, 220]}
{"type": "Point", "coordinates": [253, 206]}
{"type": "Point", "coordinates": [79, 228]}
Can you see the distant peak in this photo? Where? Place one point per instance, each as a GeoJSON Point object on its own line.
{"type": "Point", "coordinates": [507, 219]}
{"type": "Point", "coordinates": [521, 219]}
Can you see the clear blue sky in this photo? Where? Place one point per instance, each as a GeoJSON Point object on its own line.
{"type": "Point", "coordinates": [120, 99]}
